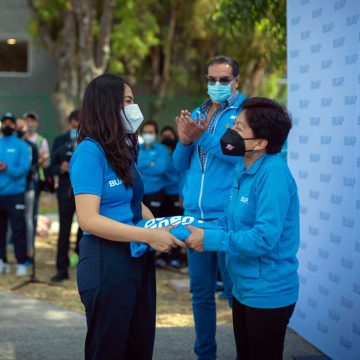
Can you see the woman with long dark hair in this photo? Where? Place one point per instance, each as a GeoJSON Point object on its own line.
{"type": "Point", "coordinates": [117, 290]}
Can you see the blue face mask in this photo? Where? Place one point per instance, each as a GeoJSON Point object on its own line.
{"type": "Point", "coordinates": [219, 93]}
{"type": "Point", "coordinates": [73, 134]}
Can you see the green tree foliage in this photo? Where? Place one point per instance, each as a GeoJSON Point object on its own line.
{"type": "Point", "coordinates": [258, 29]}
{"type": "Point", "coordinates": [163, 46]}
{"type": "Point", "coordinates": [182, 35]}
{"type": "Point", "coordinates": [135, 32]}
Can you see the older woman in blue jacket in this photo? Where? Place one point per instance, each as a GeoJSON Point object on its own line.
{"type": "Point", "coordinates": [260, 231]}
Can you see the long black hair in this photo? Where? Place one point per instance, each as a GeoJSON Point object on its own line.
{"type": "Point", "coordinates": [100, 119]}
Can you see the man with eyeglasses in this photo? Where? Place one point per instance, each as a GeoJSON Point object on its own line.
{"type": "Point", "coordinates": [207, 187]}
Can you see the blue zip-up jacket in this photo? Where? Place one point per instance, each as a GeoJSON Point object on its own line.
{"type": "Point", "coordinates": [153, 163]}
{"type": "Point", "coordinates": [16, 153]}
{"type": "Point", "coordinates": [174, 180]}
{"type": "Point", "coordinates": [171, 180]}
{"type": "Point", "coordinates": [261, 234]}
{"type": "Point", "coordinates": [206, 190]}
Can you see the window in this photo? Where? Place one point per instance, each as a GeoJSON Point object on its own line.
{"type": "Point", "coordinates": [14, 56]}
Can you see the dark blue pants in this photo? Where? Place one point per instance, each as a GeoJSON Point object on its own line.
{"type": "Point", "coordinates": [12, 207]}
{"type": "Point", "coordinates": [203, 268]}
{"type": "Point", "coordinates": [119, 295]}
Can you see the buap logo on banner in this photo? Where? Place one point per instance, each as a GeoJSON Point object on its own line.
{"type": "Point", "coordinates": [324, 155]}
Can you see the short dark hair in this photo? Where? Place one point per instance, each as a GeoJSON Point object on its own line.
{"type": "Point", "coordinates": [221, 59]}
{"type": "Point", "coordinates": [169, 128]}
{"type": "Point", "coordinates": [32, 115]}
{"type": "Point", "coordinates": [152, 123]}
{"type": "Point", "coordinates": [268, 120]}
{"type": "Point", "coordinates": [74, 115]}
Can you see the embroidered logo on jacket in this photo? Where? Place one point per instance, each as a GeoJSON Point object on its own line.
{"type": "Point", "coordinates": [244, 199]}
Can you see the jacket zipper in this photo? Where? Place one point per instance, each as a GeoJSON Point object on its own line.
{"type": "Point", "coordinates": [203, 169]}
{"type": "Point", "coordinates": [201, 192]}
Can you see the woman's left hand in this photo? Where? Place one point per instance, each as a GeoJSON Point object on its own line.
{"type": "Point", "coordinates": [196, 238]}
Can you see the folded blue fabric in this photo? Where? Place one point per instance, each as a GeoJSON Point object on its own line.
{"type": "Point", "coordinates": [180, 231]}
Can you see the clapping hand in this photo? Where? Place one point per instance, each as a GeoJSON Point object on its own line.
{"type": "Point", "coordinates": [180, 127]}
{"type": "Point", "coordinates": [189, 130]}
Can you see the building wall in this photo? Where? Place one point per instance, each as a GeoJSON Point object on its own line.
{"type": "Point", "coordinates": [32, 91]}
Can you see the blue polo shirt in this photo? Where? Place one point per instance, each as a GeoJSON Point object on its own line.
{"type": "Point", "coordinates": [91, 173]}
{"type": "Point", "coordinates": [153, 163]}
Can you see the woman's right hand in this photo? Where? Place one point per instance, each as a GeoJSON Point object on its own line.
{"type": "Point", "coordinates": [162, 240]}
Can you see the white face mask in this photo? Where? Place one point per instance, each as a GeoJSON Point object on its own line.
{"type": "Point", "coordinates": [149, 138]}
{"type": "Point", "coordinates": [132, 117]}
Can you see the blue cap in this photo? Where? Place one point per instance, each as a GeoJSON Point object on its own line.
{"type": "Point", "coordinates": [8, 115]}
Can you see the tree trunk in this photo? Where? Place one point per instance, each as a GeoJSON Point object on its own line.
{"type": "Point", "coordinates": [255, 74]}
{"type": "Point", "coordinates": [67, 95]}
{"type": "Point", "coordinates": [80, 56]}
{"type": "Point", "coordinates": [102, 55]}
{"type": "Point", "coordinates": [167, 50]}
{"type": "Point", "coordinates": [161, 60]}
{"type": "Point", "coordinates": [84, 12]}
{"type": "Point", "coordinates": [256, 79]}
{"type": "Point", "coordinates": [155, 56]}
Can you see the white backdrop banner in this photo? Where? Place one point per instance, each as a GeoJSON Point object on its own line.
{"type": "Point", "coordinates": [324, 156]}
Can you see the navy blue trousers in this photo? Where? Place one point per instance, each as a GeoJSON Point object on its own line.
{"type": "Point", "coordinates": [119, 295]}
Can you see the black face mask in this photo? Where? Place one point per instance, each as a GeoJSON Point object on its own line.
{"type": "Point", "coordinates": [20, 134]}
{"type": "Point", "coordinates": [169, 142]}
{"type": "Point", "coordinates": [7, 130]}
{"type": "Point", "coordinates": [233, 144]}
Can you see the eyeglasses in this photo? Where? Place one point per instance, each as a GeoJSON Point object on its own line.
{"type": "Point", "coordinates": [225, 80]}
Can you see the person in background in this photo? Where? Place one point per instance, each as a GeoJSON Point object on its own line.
{"type": "Point", "coordinates": [15, 160]}
{"type": "Point", "coordinates": [260, 230]}
{"type": "Point", "coordinates": [33, 120]}
{"type": "Point", "coordinates": [173, 200]}
{"type": "Point", "coordinates": [22, 133]}
{"type": "Point", "coordinates": [209, 178]}
{"type": "Point", "coordinates": [62, 150]}
{"type": "Point", "coordinates": [153, 163]}
{"type": "Point", "coordinates": [117, 290]}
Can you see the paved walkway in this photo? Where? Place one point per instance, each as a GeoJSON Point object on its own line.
{"type": "Point", "coordinates": [35, 330]}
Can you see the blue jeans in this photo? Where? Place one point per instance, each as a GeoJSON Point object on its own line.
{"type": "Point", "coordinates": [203, 269]}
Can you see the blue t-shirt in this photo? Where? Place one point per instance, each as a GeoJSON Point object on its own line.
{"type": "Point", "coordinates": [91, 173]}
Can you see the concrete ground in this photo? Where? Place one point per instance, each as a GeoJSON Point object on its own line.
{"type": "Point", "coordinates": [35, 330]}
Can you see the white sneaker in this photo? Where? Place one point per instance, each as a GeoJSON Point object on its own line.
{"type": "Point", "coordinates": [21, 270]}
{"type": "Point", "coordinates": [4, 267]}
